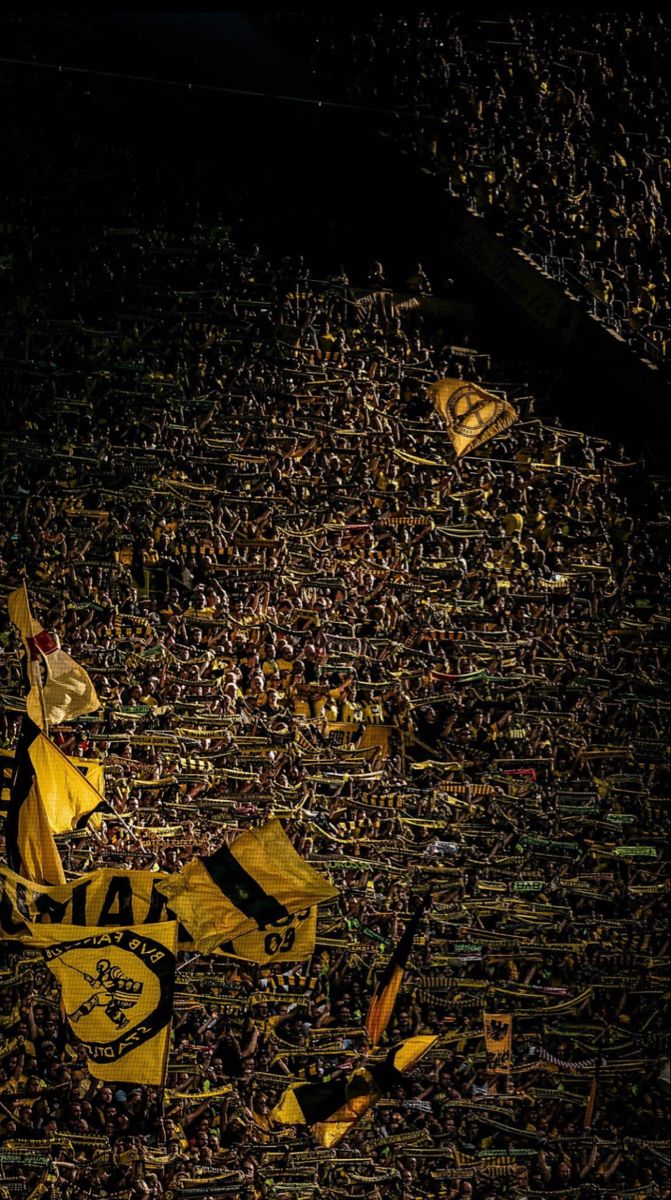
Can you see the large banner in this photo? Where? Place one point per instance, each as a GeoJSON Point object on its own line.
{"type": "Point", "coordinates": [119, 897]}
{"type": "Point", "coordinates": [117, 990]}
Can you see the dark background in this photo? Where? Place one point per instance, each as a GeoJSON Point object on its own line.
{"type": "Point", "coordinates": [80, 149]}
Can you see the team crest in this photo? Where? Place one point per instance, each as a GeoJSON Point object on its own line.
{"type": "Point", "coordinates": [111, 992]}
{"type": "Point", "coordinates": [470, 413]}
{"type": "Point", "coordinates": [117, 989]}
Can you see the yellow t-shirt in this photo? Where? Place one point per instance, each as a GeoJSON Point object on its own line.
{"type": "Point", "coordinates": [513, 523]}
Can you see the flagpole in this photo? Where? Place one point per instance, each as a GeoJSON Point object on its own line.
{"type": "Point", "coordinates": [590, 1108]}
{"type": "Point", "coordinates": [188, 963]}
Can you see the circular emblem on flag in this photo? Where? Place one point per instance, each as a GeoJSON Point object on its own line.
{"type": "Point", "coordinates": [469, 412]}
{"type": "Point", "coordinates": [117, 990]}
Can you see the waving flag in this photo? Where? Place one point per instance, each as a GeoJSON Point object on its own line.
{"type": "Point", "coordinates": [67, 692]}
{"type": "Point", "coordinates": [47, 795]}
{"type": "Point", "coordinates": [333, 1107]}
{"type": "Point", "coordinates": [471, 414]}
{"type": "Point", "coordinates": [255, 885]}
{"type": "Point", "coordinates": [388, 985]}
{"type": "Point", "coordinates": [117, 990]}
{"type": "Point", "coordinates": [29, 839]}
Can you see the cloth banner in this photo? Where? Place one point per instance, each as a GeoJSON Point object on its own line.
{"type": "Point", "coordinates": [471, 414]}
{"type": "Point", "coordinates": [498, 1042]}
{"type": "Point", "coordinates": [117, 989]}
{"type": "Point", "coordinates": [254, 885]}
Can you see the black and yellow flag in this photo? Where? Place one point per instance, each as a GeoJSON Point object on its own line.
{"type": "Point", "coordinates": [498, 1029]}
{"type": "Point", "coordinates": [471, 414]}
{"type": "Point", "coordinates": [333, 1107]}
{"type": "Point", "coordinates": [388, 985]}
{"type": "Point", "coordinates": [117, 988]}
{"type": "Point", "coordinates": [48, 795]}
{"type": "Point", "coordinates": [254, 885]}
{"type": "Point", "coordinates": [67, 691]}
{"type": "Point", "coordinates": [29, 839]}
{"type": "Point", "coordinates": [293, 941]}
{"type": "Point", "coordinates": [110, 896]}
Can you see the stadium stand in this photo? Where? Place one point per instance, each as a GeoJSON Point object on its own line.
{"type": "Point", "coordinates": [230, 491]}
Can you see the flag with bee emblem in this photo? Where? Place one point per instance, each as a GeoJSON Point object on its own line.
{"type": "Point", "coordinates": [117, 988]}
{"type": "Point", "coordinates": [471, 414]}
{"type": "Point", "coordinates": [253, 886]}
{"type": "Point", "coordinates": [67, 692]}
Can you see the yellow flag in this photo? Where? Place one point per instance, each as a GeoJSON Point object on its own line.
{"type": "Point", "coordinates": [67, 692]}
{"type": "Point", "coordinates": [334, 1106]}
{"type": "Point", "coordinates": [117, 988]}
{"type": "Point", "coordinates": [18, 607]}
{"type": "Point", "coordinates": [498, 1042]}
{"type": "Point", "coordinates": [29, 838]}
{"type": "Point", "coordinates": [91, 768]}
{"type": "Point", "coordinates": [252, 886]}
{"type": "Point", "coordinates": [69, 797]}
{"type": "Point", "coordinates": [471, 414]}
{"type": "Point", "coordinates": [47, 795]}
{"type": "Point", "coordinates": [294, 941]}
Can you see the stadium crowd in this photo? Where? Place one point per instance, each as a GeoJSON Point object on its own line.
{"type": "Point", "coordinates": [555, 130]}
{"type": "Point", "coordinates": [230, 495]}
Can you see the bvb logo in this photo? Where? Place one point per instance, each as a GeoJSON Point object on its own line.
{"type": "Point", "coordinates": [117, 989]}
{"type": "Point", "coordinates": [112, 991]}
{"type": "Point", "coordinates": [469, 412]}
